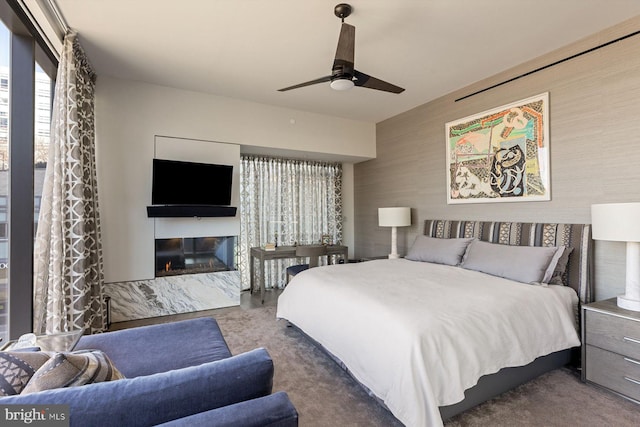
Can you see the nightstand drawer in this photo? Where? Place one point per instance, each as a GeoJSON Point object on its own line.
{"type": "Point", "coordinates": [616, 372]}
{"type": "Point", "coordinates": [613, 333]}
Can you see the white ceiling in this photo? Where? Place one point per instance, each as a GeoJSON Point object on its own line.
{"type": "Point", "coordinates": [248, 49]}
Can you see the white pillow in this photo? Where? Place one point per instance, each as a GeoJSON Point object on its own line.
{"type": "Point", "coordinates": [527, 264]}
{"type": "Point", "coordinates": [438, 251]}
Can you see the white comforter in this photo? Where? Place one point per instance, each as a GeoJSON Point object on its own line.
{"type": "Point", "coordinates": [419, 334]}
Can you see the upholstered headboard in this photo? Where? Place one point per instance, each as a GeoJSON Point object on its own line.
{"type": "Point", "coordinates": [579, 273]}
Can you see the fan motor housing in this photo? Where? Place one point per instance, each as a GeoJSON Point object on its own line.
{"type": "Point", "coordinates": [342, 10]}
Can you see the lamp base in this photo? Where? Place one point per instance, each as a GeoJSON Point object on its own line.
{"type": "Point", "coordinates": [394, 256]}
{"type": "Point", "coordinates": [628, 303]}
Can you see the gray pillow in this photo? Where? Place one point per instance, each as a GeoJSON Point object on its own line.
{"type": "Point", "coordinates": [17, 369]}
{"type": "Point", "coordinates": [438, 251]}
{"type": "Point", "coordinates": [558, 277]}
{"type": "Point", "coordinates": [527, 264]}
{"type": "Point", "coordinates": [72, 369]}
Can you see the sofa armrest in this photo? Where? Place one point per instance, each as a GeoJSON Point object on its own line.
{"type": "Point", "coordinates": [275, 410]}
{"type": "Point", "coordinates": [162, 397]}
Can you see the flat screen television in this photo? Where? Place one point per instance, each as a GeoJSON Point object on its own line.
{"type": "Point", "coordinates": [189, 183]}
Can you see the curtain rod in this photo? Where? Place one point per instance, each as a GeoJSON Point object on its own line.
{"type": "Point", "coordinates": [54, 16]}
{"type": "Point", "coordinates": [584, 52]}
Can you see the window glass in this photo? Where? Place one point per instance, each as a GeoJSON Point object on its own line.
{"type": "Point", "coordinates": [4, 180]}
{"type": "Point", "coordinates": [41, 135]}
{"type": "Point", "coordinates": [25, 85]}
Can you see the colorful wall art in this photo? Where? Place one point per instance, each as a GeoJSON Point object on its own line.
{"type": "Point", "coordinates": [500, 155]}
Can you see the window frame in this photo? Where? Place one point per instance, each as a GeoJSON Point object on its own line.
{"type": "Point", "coordinates": [27, 48]}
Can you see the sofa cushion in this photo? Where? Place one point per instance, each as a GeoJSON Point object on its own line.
{"type": "Point", "coordinates": [72, 369]}
{"type": "Point", "coordinates": [159, 348]}
{"type": "Point", "coordinates": [17, 368]}
{"type": "Point", "coordinates": [166, 396]}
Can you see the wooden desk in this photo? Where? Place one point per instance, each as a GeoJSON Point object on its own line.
{"type": "Point", "coordinates": [281, 252]}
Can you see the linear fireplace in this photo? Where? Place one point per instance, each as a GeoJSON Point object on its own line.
{"type": "Point", "coordinates": [190, 255]}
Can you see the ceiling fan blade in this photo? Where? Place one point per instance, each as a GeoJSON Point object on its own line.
{"type": "Point", "coordinates": [364, 80]}
{"type": "Point", "coordinates": [309, 83]}
{"type": "Point", "coordinates": [346, 44]}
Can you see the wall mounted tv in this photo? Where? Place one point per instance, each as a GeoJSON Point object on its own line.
{"type": "Point", "coordinates": [190, 183]}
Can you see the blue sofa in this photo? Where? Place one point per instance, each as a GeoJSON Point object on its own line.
{"type": "Point", "coordinates": [177, 374]}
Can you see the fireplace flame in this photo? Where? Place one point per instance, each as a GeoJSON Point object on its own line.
{"type": "Point", "coordinates": [167, 266]}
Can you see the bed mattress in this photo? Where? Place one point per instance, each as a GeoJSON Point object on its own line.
{"type": "Point", "coordinates": [417, 334]}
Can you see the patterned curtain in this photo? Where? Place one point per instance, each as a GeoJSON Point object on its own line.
{"type": "Point", "coordinates": [287, 201]}
{"type": "Point", "coordinates": [68, 275]}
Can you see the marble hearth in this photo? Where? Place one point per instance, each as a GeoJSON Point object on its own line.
{"type": "Point", "coordinates": [173, 295]}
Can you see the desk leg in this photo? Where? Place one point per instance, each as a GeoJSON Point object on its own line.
{"type": "Point", "coordinates": [262, 280]}
{"type": "Point", "coordinates": [252, 261]}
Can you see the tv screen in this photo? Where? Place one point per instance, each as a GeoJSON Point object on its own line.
{"type": "Point", "coordinates": [189, 183]}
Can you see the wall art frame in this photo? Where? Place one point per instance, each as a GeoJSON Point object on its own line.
{"type": "Point", "coordinates": [501, 154]}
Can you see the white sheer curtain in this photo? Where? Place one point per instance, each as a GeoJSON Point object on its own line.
{"type": "Point", "coordinates": [287, 201]}
{"type": "Point", "coordinates": [68, 276]}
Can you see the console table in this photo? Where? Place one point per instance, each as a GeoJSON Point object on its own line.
{"type": "Point", "coordinates": [262, 255]}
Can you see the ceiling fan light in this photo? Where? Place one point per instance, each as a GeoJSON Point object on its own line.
{"type": "Point", "coordinates": [341, 84]}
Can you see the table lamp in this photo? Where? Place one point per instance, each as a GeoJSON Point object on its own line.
{"type": "Point", "coordinates": [620, 222]}
{"type": "Point", "coordinates": [394, 217]}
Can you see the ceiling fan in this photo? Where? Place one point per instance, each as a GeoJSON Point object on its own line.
{"type": "Point", "coordinates": [343, 74]}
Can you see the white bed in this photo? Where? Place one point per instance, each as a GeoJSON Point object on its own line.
{"type": "Point", "coordinates": [419, 334]}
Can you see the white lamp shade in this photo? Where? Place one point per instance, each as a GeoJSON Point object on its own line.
{"type": "Point", "coordinates": [394, 217]}
{"type": "Point", "coordinates": [619, 222]}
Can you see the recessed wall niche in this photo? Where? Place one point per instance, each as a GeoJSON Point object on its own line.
{"type": "Point", "coordinates": [149, 295]}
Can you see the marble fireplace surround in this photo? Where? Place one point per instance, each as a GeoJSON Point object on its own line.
{"type": "Point", "coordinates": [133, 291]}
{"type": "Point", "coordinates": [168, 295]}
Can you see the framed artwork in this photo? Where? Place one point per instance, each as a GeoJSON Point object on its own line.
{"type": "Point", "coordinates": [500, 155]}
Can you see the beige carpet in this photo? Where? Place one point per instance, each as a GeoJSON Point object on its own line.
{"type": "Point", "coordinates": [325, 395]}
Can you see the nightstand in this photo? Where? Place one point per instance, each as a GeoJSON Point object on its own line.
{"type": "Point", "coordinates": [611, 348]}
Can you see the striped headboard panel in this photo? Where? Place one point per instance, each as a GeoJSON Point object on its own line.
{"type": "Point", "coordinates": [579, 273]}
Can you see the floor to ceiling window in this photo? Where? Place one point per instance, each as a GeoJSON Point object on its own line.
{"type": "Point", "coordinates": [42, 122]}
{"type": "Point", "coordinates": [287, 202]}
{"type": "Point", "coordinates": [4, 178]}
{"type": "Point", "coordinates": [26, 71]}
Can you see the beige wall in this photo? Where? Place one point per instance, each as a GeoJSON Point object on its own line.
{"type": "Point", "coordinates": [594, 142]}
{"type": "Point", "coordinates": [129, 116]}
